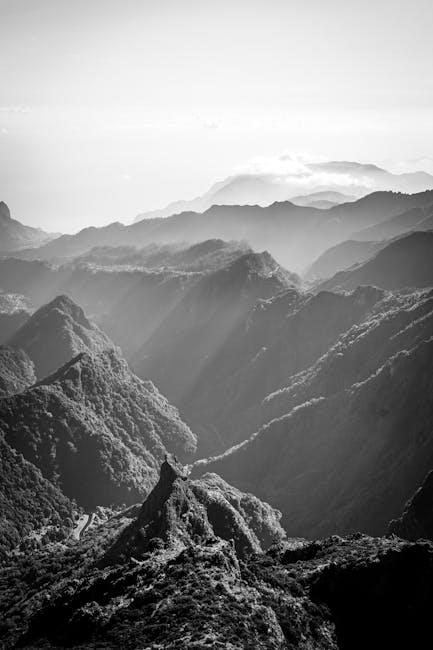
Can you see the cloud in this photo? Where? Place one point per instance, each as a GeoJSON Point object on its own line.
{"type": "Point", "coordinates": [301, 171]}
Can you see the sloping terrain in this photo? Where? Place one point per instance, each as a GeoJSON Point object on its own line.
{"type": "Point", "coordinates": [29, 504]}
{"type": "Point", "coordinates": [406, 262]}
{"type": "Point", "coordinates": [348, 460]}
{"type": "Point", "coordinates": [183, 593]}
{"type": "Point", "coordinates": [278, 338]}
{"type": "Point", "coordinates": [341, 257]}
{"type": "Point", "coordinates": [17, 371]}
{"type": "Point", "coordinates": [95, 430]}
{"type": "Point", "coordinates": [208, 255]}
{"type": "Point", "coordinates": [419, 218]}
{"type": "Point", "coordinates": [14, 311]}
{"type": "Point", "coordinates": [181, 512]}
{"type": "Point", "coordinates": [197, 328]}
{"type": "Point", "coordinates": [416, 521]}
{"type": "Point", "coordinates": [56, 333]}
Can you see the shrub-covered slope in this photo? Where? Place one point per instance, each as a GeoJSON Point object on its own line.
{"type": "Point", "coordinates": [96, 430]}
{"type": "Point", "coordinates": [350, 457]}
{"type": "Point", "coordinates": [406, 262]}
{"type": "Point", "coordinates": [17, 371]}
{"type": "Point", "coordinates": [56, 333]}
{"type": "Point", "coordinates": [29, 504]}
{"type": "Point", "coordinates": [187, 590]}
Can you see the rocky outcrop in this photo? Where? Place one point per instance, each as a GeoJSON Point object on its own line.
{"type": "Point", "coordinates": [332, 594]}
{"type": "Point", "coordinates": [416, 522]}
{"type": "Point", "coordinates": [15, 235]}
{"type": "Point", "coordinates": [182, 513]}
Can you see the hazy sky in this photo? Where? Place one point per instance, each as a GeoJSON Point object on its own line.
{"type": "Point", "coordinates": [112, 107]}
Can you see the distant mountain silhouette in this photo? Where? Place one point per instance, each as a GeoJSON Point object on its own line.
{"type": "Point", "coordinates": [295, 235]}
{"type": "Point", "coordinates": [341, 257]}
{"type": "Point", "coordinates": [351, 178]}
{"type": "Point", "coordinates": [420, 218]}
{"type": "Point", "coordinates": [56, 333]}
{"type": "Point", "coordinates": [15, 235]}
{"type": "Point", "coordinates": [95, 430]}
{"type": "Point", "coordinates": [322, 199]}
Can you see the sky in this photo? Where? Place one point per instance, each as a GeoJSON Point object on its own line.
{"type": "Point", "coordinates": [109, 108]}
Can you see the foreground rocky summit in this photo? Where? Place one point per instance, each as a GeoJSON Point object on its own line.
{"type": "Point", "coordinates": [180, 582]}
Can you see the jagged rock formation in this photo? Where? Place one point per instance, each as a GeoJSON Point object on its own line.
{"type": "Point", "coordinates": [334, 594]}
{"type": "Point", "coordinates": [183, 512]}
{"type": "Point", "coordinates": [95, 420]}
{"type": "Point", "coordinates": [17, 371]}
{"type": "Point", "coordinates": [15, 235]}
{"type": "Point", "coordinates": [56, 333]}
{"type": "Point", "coordinates": [347, 442]}
{"type": "Point", "coordinates": [416, 522]}
{"type": "Point", "coordinates": [406, 262]}
{"type": "Point", "coordinates": [28, 502]}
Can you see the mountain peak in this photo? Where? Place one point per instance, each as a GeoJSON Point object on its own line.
{"type": "Point", "coordinates": [180, 513]}
{"type": "Point", "coordinates": [56, 333]}
{"type": "Point", "coordinates": [5, 213]}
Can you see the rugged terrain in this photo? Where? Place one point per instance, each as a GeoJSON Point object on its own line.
{"type": "Point", "coordinates": [94, 419]}
{"type": "Point", "coordinates": [169, 588]}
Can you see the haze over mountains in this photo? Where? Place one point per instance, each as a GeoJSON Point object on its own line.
{"type": "Point", "coordinates": [335, 182]}
{"type": "Point", "coordinates": [190, 404]}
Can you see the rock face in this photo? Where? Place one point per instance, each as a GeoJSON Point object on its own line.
{"type": "Point", "coordinates": [28, 502]}
{"type": "Point", "coordinates": [416, 521]}
{"type": "Point", "coordinates": [95, 420]}
{"type": "Point", "coordinates": [335, 594]}
{"type": "Point", "coordinates": [16, 371]}
{"type": "Point", "coordinates": [56, 333]}
{"type": "Point", "coordinates": [183, 512]}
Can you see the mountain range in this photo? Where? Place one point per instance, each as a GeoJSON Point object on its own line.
{"type": "Point", "coordinates": [203, 447]}
{"type": "Point", "coordinates": [332, 181]}
{"type": "Point", "coordinates": [294, 235]}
